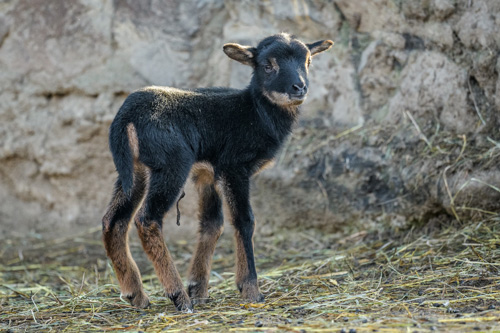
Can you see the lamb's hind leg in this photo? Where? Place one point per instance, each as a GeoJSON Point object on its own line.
{"type": "Point", "coordinates": [164, 189]}
{"type": "Point", "coordinates": [211, 225]}
{"type": "Point", "coordinates": [115, 229]}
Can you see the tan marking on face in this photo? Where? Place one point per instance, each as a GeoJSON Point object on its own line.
{"type": "Point", "coordinates": [283, 100]}
{"type": "Point", "coordinates": [275, 65]}
{"type": "Point", "coordinates": [133, 141]}
{"type": "Point", "coordinates": [308, 60]}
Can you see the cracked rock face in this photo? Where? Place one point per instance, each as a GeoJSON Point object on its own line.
{"type": "Point", "coordinates": [434, 87]}
{"type": "Point", "coordinates": [66, 67]}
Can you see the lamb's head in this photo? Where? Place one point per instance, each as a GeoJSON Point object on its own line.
{"type": "Point", "coordinates": [281, 64]}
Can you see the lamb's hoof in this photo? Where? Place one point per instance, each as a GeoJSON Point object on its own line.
{"type": "Point", "coordinates": [251, 293]}
{"type": "Point", "coordinates": [182, 302]}
{"type": "Point", "coordinates": [198, 293]}
{"type": "Point", "coordinates": [139, 299]}
{"type": "Point", "coordinates": [254, 298]}
{"type": "Point", "coordinates": [201, 300]}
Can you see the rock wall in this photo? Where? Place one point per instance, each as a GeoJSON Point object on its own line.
{"type": "Point", "coordinates": [401, 123]}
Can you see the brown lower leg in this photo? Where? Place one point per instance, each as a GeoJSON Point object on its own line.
{"type": "Point", "coordinates": [129, 277]}
{"type": "Point", "coordinates": [153, 243]}
{"type": "Point", "coordinates": [115, 236]}
{"type": "Point", "coordinates": [199, 271]}
{"type": "Point", "coordinates": [116, 223]}
{"type": "Point", "coordinates": [248, 286]}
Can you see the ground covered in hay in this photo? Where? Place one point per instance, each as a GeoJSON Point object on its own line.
{"type": "Point", "coordinates": [434, 278]}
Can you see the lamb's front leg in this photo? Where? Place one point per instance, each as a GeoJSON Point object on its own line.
{"type": "Point", "coordinates": [237, 192]}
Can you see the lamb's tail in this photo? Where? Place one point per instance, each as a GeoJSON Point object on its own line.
{"type": "Point", "coordinates": [122, 149]}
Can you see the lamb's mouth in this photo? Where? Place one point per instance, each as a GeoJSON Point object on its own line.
{"type": "Point", "coordinates": [285, 99]}
{"type": "Point", "coordinates": [297, 99]}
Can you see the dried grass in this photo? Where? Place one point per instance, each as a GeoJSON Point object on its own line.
{"type": "Point", "coordinates": [441, 278]}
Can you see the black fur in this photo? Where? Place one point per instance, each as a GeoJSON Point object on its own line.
{"type": "Point", "coordinates": [234, 131]}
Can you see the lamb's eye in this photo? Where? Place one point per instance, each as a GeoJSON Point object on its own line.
{"type": "Point", "coordinates": [268, 68]}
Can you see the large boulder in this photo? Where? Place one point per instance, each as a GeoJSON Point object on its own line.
{"type": "Point", "coordinates": [401, 124]}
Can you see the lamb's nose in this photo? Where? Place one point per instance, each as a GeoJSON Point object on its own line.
{"type": "Point", "coordinates": [300, 88]}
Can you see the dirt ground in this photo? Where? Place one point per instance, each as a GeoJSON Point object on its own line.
{"type": "Point", "coordinates": [429, 278]}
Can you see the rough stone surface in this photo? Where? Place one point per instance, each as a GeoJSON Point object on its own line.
{"type": "Point", "coordinates": [401, 123]}
{"type": "Point", "coordinates": [433, 88]}
{"type": "Point", "coordinates": [479, 25]}
{"type": "Point", "coordinates": [497, 93]}
{"type": "Point", "coordinates": [442, 9]}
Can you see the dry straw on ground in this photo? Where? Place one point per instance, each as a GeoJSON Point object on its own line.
{"type": "Point", "coordinates": [438, 277]}
{"type": "Point", "coordinates": [442, 278]}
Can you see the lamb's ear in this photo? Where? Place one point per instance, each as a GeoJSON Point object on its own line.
{"type": "Point", "coordinates": [244, 54]}
{"type": "Point", "coordinates": [319, 46]}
